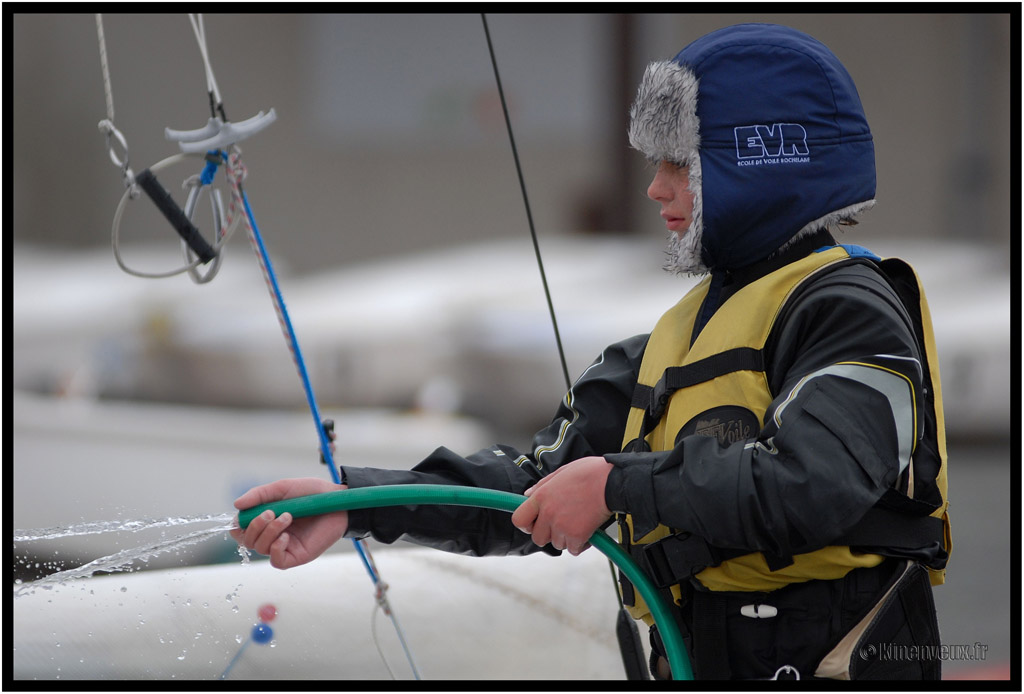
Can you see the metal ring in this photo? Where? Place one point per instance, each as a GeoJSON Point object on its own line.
{"type": "Point", "coordinates": [787, 669]}
{"type": "Point", "coordinates": [108, 129]}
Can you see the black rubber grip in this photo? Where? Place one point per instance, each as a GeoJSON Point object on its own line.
{"type": "Point", "coordinates": [185, 228]}
{"type": "Point", "coordinates": [328, 427]}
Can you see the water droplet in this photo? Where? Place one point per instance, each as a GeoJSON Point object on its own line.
{"type": "Point", "coordinates": [124, 589]}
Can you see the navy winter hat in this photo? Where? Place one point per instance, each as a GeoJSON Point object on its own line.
{"type": "Point", "coordinates": [771, 127]}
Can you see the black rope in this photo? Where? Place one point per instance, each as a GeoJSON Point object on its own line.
{"type": "Point", "coordinates": [526, 202]}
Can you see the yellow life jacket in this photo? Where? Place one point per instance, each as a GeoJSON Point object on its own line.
{"type": "Point", "coordinates": [744, 323]}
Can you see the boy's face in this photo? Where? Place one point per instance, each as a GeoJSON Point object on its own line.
{"type": "Point", "coordinates": [671, 188]}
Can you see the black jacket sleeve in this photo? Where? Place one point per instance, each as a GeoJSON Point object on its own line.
{"type": "Point", "coordinates": [590, 421]}
{"type": "Point", "coordinates": [845, 370]}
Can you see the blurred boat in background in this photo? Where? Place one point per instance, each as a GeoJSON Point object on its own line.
{"type": "Point", "coordinates": [458, 330]}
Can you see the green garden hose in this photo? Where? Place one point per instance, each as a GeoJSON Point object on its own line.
{"type": "Point", "coordinates": [427, 494]}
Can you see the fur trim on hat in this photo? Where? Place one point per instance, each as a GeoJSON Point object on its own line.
{"type": "Point", "coordinates": [663, 118]}
{"type": "Point", "coordinates": [846, 214]}
{"type": "Point", "coordinates": [830, 221]}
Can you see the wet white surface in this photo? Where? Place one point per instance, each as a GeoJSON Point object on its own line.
{"type": "Point", "coordinates": [534, 617]}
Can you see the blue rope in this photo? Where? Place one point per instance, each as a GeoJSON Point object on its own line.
{"type": "Point", "coordinates": [213, 160]}
{"type": "Point", "coordinates": [231, 665]}
{"type": "Point", "coordinates": [325, 447]}
{"type": "Point", "coordinates": [300, 364]}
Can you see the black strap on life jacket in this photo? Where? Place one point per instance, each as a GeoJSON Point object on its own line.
{"type": "Point", "coordinates": [676, 558]}
{"type": "Point", "coordinates": [711, 660]}
{"type": "Point", "coordinates": [654, 400]}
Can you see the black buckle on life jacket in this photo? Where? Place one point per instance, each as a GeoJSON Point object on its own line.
{"type": "Point", "coordinates": [676, 558]}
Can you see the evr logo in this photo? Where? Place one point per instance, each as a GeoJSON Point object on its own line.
{"type": "Point", "coordinates": [778, 140]}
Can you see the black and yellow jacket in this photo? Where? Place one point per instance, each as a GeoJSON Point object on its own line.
{"type": "Point", "coordinates": [857, 432]}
